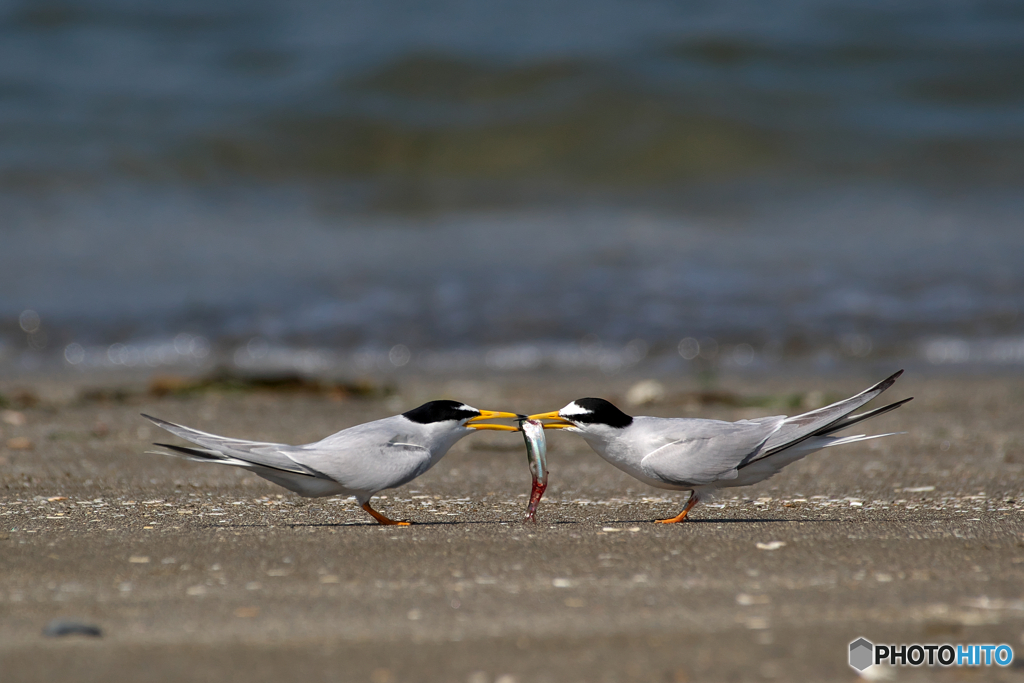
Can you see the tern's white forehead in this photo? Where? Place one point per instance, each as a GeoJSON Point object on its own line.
{"type": "Point", "coordinates": [574, 409]}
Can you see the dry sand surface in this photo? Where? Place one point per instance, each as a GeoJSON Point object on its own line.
{"type": "Point", "coordinates": [203, 573]}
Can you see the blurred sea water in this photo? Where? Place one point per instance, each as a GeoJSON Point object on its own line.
{"type": "Point", "coordinates": [450, 186]}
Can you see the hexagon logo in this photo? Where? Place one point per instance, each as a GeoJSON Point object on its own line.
{"type": "Point", "coordinates": [862, 653]}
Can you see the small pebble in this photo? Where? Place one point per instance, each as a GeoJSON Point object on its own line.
{"type": "Point", "coordinates": [13, 417]}
{"type": "Point", "coordinates": [645, 392]}
{"type": "Point", "coordinates": [771, 545]}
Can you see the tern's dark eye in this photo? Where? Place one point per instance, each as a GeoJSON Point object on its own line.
{"type": "Point", "coordinates": [440, 411]}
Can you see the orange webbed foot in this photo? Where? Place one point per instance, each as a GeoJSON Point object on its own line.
{"type": "Point", "coordinates": [381, 519]}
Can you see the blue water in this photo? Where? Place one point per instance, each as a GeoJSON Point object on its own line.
{"type": "Point", "coordinates": [510, 185]}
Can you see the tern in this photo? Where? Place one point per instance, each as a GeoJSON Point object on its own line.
{"type": "Point", "coordinates": [358, 461]}
{"type": "Point", "coordinates": [702, 456]}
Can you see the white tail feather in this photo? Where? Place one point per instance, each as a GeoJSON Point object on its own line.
{"type": "Point", "coordinates": [858, 437]}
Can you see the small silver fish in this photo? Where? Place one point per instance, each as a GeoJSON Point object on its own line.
{"type": "Point", "coordinates": [537, 456]}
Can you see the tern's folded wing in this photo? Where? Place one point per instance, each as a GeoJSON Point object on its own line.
{"type": "Point", "coordinates": [703, 451]}
{"type": "Point", "coordinates": [367, 462]}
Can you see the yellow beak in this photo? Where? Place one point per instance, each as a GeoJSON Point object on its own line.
{"type": "Point", "coordinates": [491, 415]}
{"type": "Point", "coordinates": [553, 415]}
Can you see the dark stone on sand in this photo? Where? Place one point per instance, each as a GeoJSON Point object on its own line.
{"type": "Point", "coordinates": [67, 627]}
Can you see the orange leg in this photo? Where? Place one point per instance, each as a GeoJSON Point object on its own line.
{"type": "Point", "coordinates": [381, 518]}
{"type": "Point", "coordinates": [682, 515]}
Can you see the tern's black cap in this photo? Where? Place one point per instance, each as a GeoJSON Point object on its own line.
{"type": "Point", "coordinates": [440, 411]}
{"type": "Point", "coordinates": [597, 411]}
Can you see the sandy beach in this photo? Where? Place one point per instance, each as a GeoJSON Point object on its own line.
{"type": "Point", "coordinates": [203, 573]}
{"type": "Point", "coordinates": [276, 220]}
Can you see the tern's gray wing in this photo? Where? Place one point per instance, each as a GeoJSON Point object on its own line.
{"type": "Point", "coordinates": [375, 455]}
{"type": "Point", "coordinates": [825, 420]}
{"type": "Point", "coordinates": [697, 452]}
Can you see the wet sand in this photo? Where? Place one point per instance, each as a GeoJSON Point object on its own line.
{"type": "Point", "coordinates": [195, 572]}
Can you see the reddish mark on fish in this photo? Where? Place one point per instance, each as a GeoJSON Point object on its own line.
{"type": "Point", "coordinates": [535, 496]}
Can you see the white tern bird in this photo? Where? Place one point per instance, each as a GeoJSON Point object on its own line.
{"type": "Point", "coordinates": [358, 461]}
{"type": "Point", "coordinates": [702, 456]}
